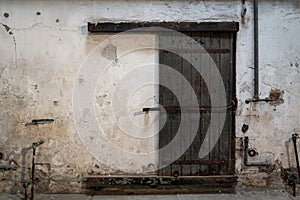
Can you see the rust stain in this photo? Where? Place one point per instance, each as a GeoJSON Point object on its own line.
{"type": "Point", "coordinates": [277, 96]}
{"type": "Point", "coordinates": [146, 119]}
{"type": "Point", "coordinates": [110, 52]}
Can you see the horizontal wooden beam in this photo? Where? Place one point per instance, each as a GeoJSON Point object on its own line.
{"type": "Point", "coordinates": [176, 26]}
{"type": "Point", "coordinates": [200, 162]}
{"type": "Point", "coordinates": [158, 184]}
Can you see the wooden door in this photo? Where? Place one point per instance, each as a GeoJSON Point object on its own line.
{"type": "Point", "coordinates": [220, 160]}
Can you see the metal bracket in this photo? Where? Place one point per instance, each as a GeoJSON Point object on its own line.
{"type": "Point", "coordinates": [246, 162]}
{"type": "Point", "coordinates": [247, 101]}
{"type": "Point", "coordinates": [232, 106]}
{"type": "Point", "coordinates": [39, 121]}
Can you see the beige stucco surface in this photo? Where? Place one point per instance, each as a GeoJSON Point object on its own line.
{"type": "Point", "coordinates": [43, 45]}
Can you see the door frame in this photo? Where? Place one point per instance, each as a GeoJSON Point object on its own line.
{"type": "Point", "coordinates": [157, 184]}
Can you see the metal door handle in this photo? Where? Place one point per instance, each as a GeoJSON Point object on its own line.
{"type": "Point", "coordinates": [232, 105]}
{"type": "Point", "coordinates": [152, 109]}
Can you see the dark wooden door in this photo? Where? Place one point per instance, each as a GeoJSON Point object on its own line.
{"type": "Point", "coordinates": [220, 160]}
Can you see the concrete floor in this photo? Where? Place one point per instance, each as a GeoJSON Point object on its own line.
{"type": "Point", "coordinates": [248, 195]}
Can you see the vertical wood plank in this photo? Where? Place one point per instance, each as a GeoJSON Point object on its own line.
{"type": "Point", "coordinates": [186, 68]}
{"type": "Point", "coordinates": [205, 101]}
{"type": "Point", "coordinates": [196, 83]}
{"type": "Point", "coordinates": [176, 63]}
{"type": "Point", "coordinates": [166, 129]}
{"type": "Point", "coordinates": [226, 71]}
{"type": "Point", "coordinates": [231, 113]}
{"type": "Point", "coordinates": [215, 43]}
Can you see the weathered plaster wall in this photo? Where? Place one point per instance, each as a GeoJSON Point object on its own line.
{"type": "Point", "coordinates": [270, 124]}
{"type": "Point", "coordinates": [44, 43]}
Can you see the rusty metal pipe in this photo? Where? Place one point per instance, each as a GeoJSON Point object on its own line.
{"type": "Point", "coordinates": [256, 58]}
{"type": "Point", "coordinates": [294, 138]}
{"type": "Point", "coordinates": [32, 174]}
{"type": "Point", "coordinates": [256, 51]}
{"type": "Point", "coordinates": [257, 100]}
{"type": "Point", "coordinates": [34, 146]}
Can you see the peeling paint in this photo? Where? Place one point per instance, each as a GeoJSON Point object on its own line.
{"type": "Point", "coordinates": [6, 15]}
{"type": "Point", "coordinates": [245, 128]}
{"type": "Point", "coordinates": [41, 54]}
{"type": "Point", "coordinates": [9, 31]}
{"type": "Point", "coordinates": [110, 52]}
{"type": "Point", "coordinates": [7, 28]}
{"type": "Point", "coordinates": [277, 96]}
